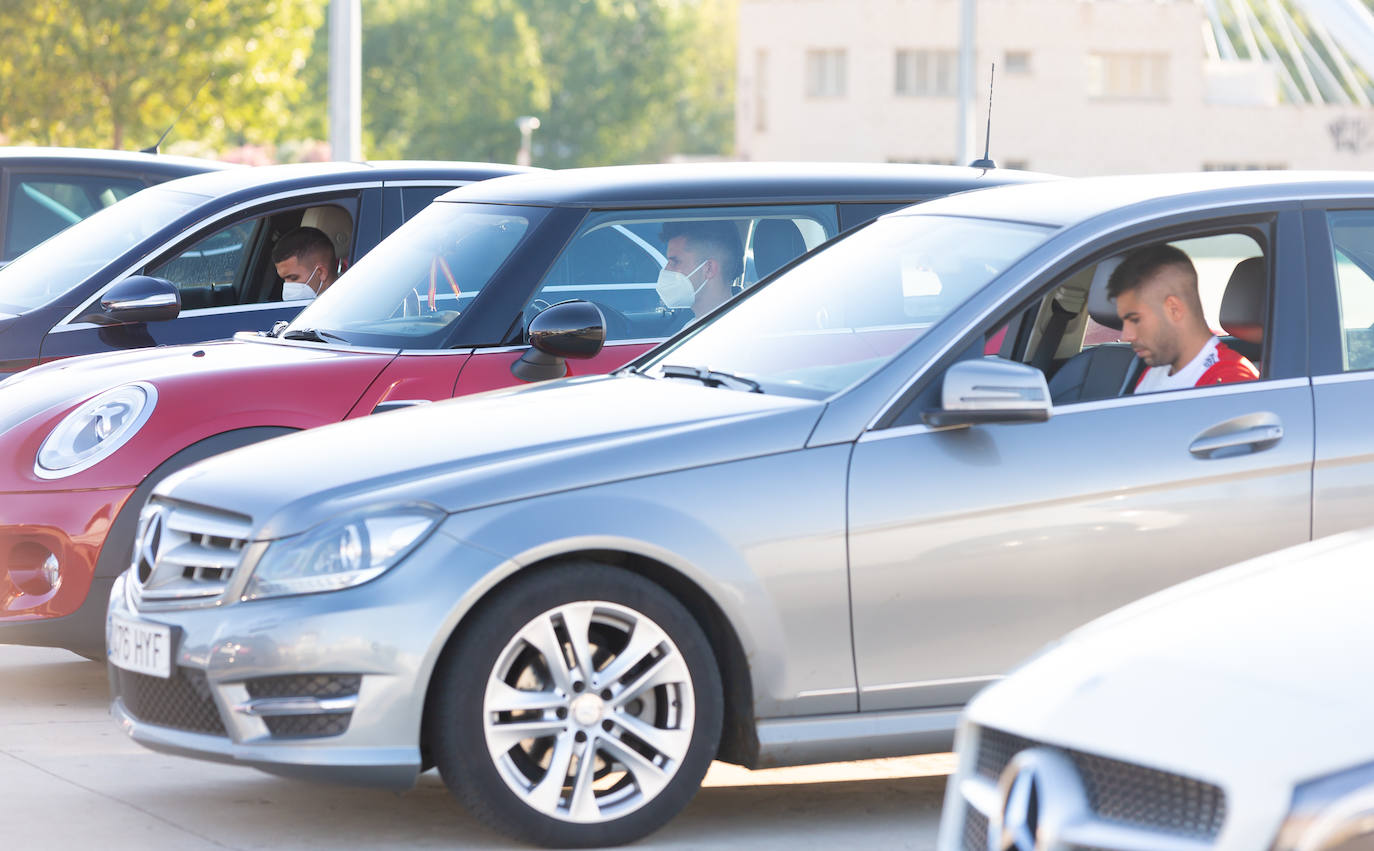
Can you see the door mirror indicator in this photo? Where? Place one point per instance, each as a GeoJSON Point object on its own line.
{"type": "Point", "coordinates": [991, 390]}
{"type": "Point", "coordinates": [138, 298]}
{"type": "Point", "coordinates": [569, 329]}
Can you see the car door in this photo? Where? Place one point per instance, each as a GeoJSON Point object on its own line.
{"type": "Point", "coordinates": [970, 547]}
{"type": "Point", "coordinates": [224, 274]}
{"type": "Point", "coordinates": [1341, 285]}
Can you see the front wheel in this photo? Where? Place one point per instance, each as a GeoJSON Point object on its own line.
{"type": "Point", "coordinates": [580, 707]}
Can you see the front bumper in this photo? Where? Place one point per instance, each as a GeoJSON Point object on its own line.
{"type": "Point", "coordinates": [72, 527]}
{"type": "Point", "coordinates": [326, 686]}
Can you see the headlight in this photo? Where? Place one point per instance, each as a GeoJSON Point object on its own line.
{"type": "Point", "coordinates": [1332, 813]}
{"type": "Point", "coordinates": [95, 430]}
{"type": "Point", "coordinates": [341, 553]}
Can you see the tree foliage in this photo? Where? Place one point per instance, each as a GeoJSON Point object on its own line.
{"type": "Point", "coordinates": [115, 73]}
{"type": "Point", "coordinates": [612, 81]}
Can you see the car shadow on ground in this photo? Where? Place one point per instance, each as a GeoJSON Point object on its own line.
{"type": "Point", "coordinates": [68, 681]}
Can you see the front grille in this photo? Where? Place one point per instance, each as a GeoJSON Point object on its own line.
{"type": "Point", "coordinates": [181, 702]}
{"type": "Point", "coordinates": [308, 726]}
{"type": "Point", "coordinates": [304, 685]}
{"type": "Point", "coordinates": [1123, 792]}
{"type": "Point", "coordinates": [187, 553]}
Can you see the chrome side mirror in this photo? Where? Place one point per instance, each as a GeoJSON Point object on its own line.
{"type": "Point", "coordinates": [569, 329]}
{"type": "Point", "coordinates": [138, 298]}
{"type": "Point", "coordinates": [991, 390]}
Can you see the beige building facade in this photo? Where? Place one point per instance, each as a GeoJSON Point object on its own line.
{"type": "Point", "coordinates": [1082, 87]}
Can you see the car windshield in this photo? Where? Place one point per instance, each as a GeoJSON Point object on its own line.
{"type": "Point", "coordinates": [59, 264]}
{"type": "Point", "coordinates": [833, 319]}
{"type": "Point", "coordinates": [410, 290]}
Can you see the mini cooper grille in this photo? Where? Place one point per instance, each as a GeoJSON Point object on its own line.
{"type": "Point", "coordinates": [181, 702]}
{"type": "Point", "coordinates": [186, 553]}
{"type": "Point", "coordinates": [1123, 792]}
{"type": "Point", "coordinates": [305, 685]}
{"type": "Point", "coordinates": [308, 726]}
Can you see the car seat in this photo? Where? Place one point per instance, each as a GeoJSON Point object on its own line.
{"type": "Point", "coordinates": [1242, 308]}
{"type": "Point", "coordinates": [777, 242]}
{"type": "Point", "coordinates": [1103, 371]}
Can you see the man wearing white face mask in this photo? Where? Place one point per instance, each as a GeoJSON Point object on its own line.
{"type": "Point", "coordinates": [306, 263]}
{"type": "Point", "coordinates": [704, 259]}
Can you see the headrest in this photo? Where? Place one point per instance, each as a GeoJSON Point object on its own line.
{"type": "Point", "coordinates": [777, 242]}
{"type": "Point", "coordinates": [1242, 306]}
{"type": "Point", "coordinates": [336, 224]}
{"type": "Point", "coordinates": [1101, 308]}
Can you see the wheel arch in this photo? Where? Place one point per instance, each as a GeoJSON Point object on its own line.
{"type": "Point", "coordinates": [113, 560]}
{"type": "Point", "coordinates": [739, 738]}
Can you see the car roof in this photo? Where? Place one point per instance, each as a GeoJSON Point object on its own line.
{"type": "Point", "coordinates": [95, 158]}
{"type": "Point", "coordinates": [308, 175]}
{"type": "Point", "coordinates": [631, 186]}
{"type": "Point", "coordinates": [1068, 202]}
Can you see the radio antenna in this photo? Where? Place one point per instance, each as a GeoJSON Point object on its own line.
{"type": "Point", "coordinates": [153, 148]}
{"type": "Point", "coordinates": [985, 162]}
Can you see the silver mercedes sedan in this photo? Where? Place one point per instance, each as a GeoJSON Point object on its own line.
{"type": "Point", "coordinates": [807, 528]}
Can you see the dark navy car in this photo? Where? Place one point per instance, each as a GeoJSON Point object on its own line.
{"type": "Point", "coordinates": [189, 260]}
{"type": "Point", "coordinates": [44, 191]}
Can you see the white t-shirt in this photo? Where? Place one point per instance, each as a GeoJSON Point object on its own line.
{"type": "Point", "coordinates": [1157, 378]}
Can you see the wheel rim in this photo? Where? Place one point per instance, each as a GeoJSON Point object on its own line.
{"type": "Point", "coordinates": [589, 711]}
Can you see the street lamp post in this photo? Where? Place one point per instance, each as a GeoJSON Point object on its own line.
{"type": "Point", "coordinates": [527, 124]}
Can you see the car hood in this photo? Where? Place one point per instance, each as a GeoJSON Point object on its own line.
{"type": "Point", "coordinates": [61, 384]}
{"type": "Point", "coordinates": [1262, 668]}
{"type": "Point", "coordinates": [494, 447]}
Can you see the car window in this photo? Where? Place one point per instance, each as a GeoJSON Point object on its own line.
{"type": "Point", "coordinates": [232, 265]}
{"type": "Point", "coordinates": [615, 259]}
{"type": "Point", "coordinates": [411, 289]}
{"type": "Point", "coordinates": [1352, 235]}
{"type": "Point", "coordinates": [207, 272]}
{"type": "Point", "coordinates": [1076, 339]}
{"type": "Point", "coordinates": [42, 205]}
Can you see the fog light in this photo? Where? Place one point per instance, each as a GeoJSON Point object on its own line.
{"type": "Point", "coordinates": [34, 569]}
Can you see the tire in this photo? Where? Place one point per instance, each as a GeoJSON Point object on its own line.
{"type": "Point", "coordinates": [508, 727]}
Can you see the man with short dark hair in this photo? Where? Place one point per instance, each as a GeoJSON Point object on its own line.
{"type": "Point", "coordinates": [306, 262]}
{"type": "Point", "coordinates": [704, 260]}
{"type": "Point", "coordinates": [1156, 295]}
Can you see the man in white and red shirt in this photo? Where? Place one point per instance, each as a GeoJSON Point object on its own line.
{"type": "Point", "coordinates": [1155, 290]}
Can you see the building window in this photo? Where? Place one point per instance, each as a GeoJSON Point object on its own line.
{"type": "Point", "coordinates": [760, 90]}
{"type": "Point", "coordinates": [923, 160]}
{"type": "Point", "coordinates": [825, 73]}
{"type": "Point", "coordinates": [1128, 76]}
{"type": "Point", "coordinates": [1016, 62]}
{"type": "Point", "coordinates": [1241, 166]}
{"type": "Point", "coordinates": [926, 73]}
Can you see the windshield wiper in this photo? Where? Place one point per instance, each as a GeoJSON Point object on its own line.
{"type": "Point", "coordinates": [311, 334]}
{"type": "Point", "coordinates": [710, 377]}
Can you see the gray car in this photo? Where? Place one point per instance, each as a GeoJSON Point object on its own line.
{"type": "Point", "coordinates": [807, 528]}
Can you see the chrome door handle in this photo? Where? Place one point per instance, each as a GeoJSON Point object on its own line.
{"type": "Point", "coordinates": [1257, 438]}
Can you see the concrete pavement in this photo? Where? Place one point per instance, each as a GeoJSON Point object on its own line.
{"type": "Point", "coordinates": [70, 779]}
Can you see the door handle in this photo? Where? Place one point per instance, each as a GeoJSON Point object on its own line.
{"type": "Point", "coordinates": [1256, 438]}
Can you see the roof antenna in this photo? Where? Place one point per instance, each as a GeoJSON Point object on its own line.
{"type": "Point", "coordinates": [153, 148]}
{"type": "Point", "coordinates": [986, 163]}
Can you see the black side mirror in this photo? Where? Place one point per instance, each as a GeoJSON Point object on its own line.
{"type": "Point", "coordinates": [569, 329]}
{"type": "Point", "coordinates": [137, 298]}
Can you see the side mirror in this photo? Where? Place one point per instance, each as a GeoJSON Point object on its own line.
{"type": "Point", "coordinates": [991, 390]}
{"type": "Point", "coordinates": [569, 329]}
{"type": "Point", "coordinates": [138, 298]}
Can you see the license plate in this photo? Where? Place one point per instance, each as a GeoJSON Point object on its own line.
{"type": "Point", "coordinates": [139, 646]}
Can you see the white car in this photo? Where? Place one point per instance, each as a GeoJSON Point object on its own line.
{"type": "Point", "coordinates": [1229, 712]}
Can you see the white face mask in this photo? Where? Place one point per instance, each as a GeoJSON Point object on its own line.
{"type": "Point", "coordinates": [297, 290]}
{"type": "Point", "coordinates": [675, 288]}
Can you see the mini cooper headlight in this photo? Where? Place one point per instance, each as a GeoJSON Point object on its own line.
{"type": "Point", "coordinates": [93, 431]}
{"type": "Point", "coordinates": [1332, 813]}
{"type": "Point", "coordinates": [341, 553]}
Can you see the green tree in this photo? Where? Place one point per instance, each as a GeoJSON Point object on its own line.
{"type": "Point", "coordinates": [112, 73]}
{"type": "Point", "coordinates": [446, 79]}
